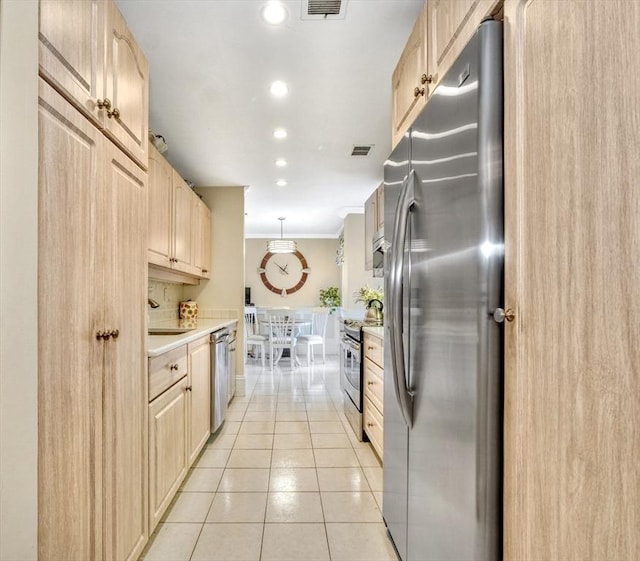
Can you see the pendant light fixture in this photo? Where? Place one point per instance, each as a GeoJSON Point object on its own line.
{"type": "Point", "coordinates": [282, 246]}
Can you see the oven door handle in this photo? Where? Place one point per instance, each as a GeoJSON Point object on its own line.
{"type": "Point", "coordinates": [351, 344]}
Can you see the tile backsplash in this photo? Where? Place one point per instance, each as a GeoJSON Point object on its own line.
{"type": "Point", "coordinates": [168, 295]}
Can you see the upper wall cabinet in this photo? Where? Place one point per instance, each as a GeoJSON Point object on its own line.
{"type": "Point", "coordinates": [127, 89]}
{"type": "Point", "coordinates": [89, 55]}
{"type": "Point", "coordinates": [410, 81]}
{"type": "Point", "coordinates": [373, 223]}
{"type": "Point", "coordinates": [441, 31]}
{"type": "Point", "coordinates": [179, 225]}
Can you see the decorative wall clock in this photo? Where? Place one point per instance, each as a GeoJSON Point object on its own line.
{"type": "Point", "coordinates": [284, 273]}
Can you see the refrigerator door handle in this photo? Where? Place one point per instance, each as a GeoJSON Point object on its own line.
{"type": "Point", "coordinates": [405, 204]}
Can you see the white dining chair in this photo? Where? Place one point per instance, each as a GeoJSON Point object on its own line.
{"type": "Point", "coordinates": [282, 336]}
{"type": "Point", "coordinates": [252, 337]}
{"type": "Point", "coordinates": [317, 335]}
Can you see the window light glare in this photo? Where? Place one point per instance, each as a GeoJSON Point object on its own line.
{"type": "Point", "coordinates": [274, 13]}
{"type": "Point", "coordinates": [280, 133]}
{"type": "Point", "coordinates": [281, 162]}
{"type": "Point", "coordinates": [279, 88]}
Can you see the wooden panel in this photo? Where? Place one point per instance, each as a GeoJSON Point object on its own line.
{"type": "Point", "coordinates": [72, 51]}
{"type": "Point", "coordinates": [124, 219]}
{"type": "Point", "coordinates": [206, 244]}
{"type": "Point", "coordinates": [369, 230]}
{"type": "Point", "coordinates": [374, 384]}
{"type": "Point", "coordinates": [406, 77]}
{"type": "Point", "coordinates": [380, 207]}
{"type": "Point", "coordinates": [69, 355]}
{"type": "Point", "coordinates": [374, 349]}
{"type": "Point", "coordinates": [451, 24]}
{"type": "Point", "coordinates": [196, 232]}
{"type": "Point", "coordinates": [167, 448]}
{"type": "Point", "coordinates": [183, 224]}
{"type": "Point", "coordinates": [373, 426]}
{"type": "Point", "coordinates": [572, 453]}
{"type": "Point", "coordinates": [128, 88]}
{"type": "Point", "coordinates": [160, 209]}
{"type": "Point", "coordinates": [166, 369]}
{"type": "Point", "coordinates": [199, 398]}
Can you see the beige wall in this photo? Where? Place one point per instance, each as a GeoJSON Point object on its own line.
{"type": "Point", "coordinates": [18, 279]}
{"type": "Point", "coordinates": [321, 258]}
{"type": "Point", "coordinates": [354, 275]}
{"type": "Point", "coordinates": [224, 292]}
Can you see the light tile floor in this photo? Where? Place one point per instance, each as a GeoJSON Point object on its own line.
{"type": "Point", "coordinates": [285, 479]}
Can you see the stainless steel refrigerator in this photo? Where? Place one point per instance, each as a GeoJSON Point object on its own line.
{"type": "Point", "coordinates": [443, 348]}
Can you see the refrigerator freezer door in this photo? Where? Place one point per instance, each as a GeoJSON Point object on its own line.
{"type": "Point", "coordinates": [396, 434]}
{"type": "Point", "coordinates": [452, 496]}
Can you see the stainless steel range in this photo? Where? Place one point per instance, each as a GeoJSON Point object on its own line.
{"type": "Point", "coordinates": [351, 372]}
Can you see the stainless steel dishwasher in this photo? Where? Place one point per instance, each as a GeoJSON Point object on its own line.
{"type": "Point", "coordinates": [232, 365]}
{"type": "Point", "coordinates": [220, 377]}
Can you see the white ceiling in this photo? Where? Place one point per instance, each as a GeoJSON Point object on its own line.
{"type": "Point", "coordinates": [211, 64]}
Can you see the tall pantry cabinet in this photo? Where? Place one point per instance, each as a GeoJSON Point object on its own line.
{"type": "Point", "coordinates": [93, 472]}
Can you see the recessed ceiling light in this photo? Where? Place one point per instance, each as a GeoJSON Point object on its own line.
{"type": "Point", "coordinates": [280, 133]}
{"type": "Point", "coordinates": [279, 88]}
{"type": "Point", "coordinates": [274, 13]}
{"type": "Point", "coordinates": [281, 162]}
{"type": "Point", "coordinates": [281, 183]}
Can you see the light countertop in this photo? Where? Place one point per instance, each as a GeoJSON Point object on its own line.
{"type": "Point", "coordinates": [158, 344]}
{"type": "Point", "coordinates": [377, 331]}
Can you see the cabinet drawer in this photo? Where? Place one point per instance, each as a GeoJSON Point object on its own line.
{"type": "Point", "coordinates": [374, 384]}
{"type": "Point", "coordinates": [373, 426]}
{"type": "Point", "coordinates": [166, 369]}
{"type": "Point", "coordinates": [373, 349]}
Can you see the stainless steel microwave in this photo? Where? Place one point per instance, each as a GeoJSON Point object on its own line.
{"type": "Point", "coordinates": [379, 249]}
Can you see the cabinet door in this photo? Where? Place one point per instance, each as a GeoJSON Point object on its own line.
{"type": "Point", "coordinates": [69, 355]}
{"type": "Point", "coordinates": [451, 24]}
{"type": "Point", "coordinates": [183, 224]}
{"type": "Point", "coordinates": [199, 398]}
{"type": "Point", "coordinates": [572, 238]}
{"type": "Point", "coordinates": [369, 230]}
{"type": "Point", "coordinates": [160, 209]}
{"type": "Point", "coordinates": [127, 87]}
{"type": "Point", "coordinates": [406, 103]}
{"type": "Point", "coordinates": [123, 219]}
{"type": "Point", "coordinates": [167, 448]}
{"type": "Point", "coordinates": [71, 51]}
{"type": "Point", "coordinates": [380, 207]}
{"type": "Point", "coordinates": [206, 241]}
{"type": "Point", "coordinates": [196, 232]}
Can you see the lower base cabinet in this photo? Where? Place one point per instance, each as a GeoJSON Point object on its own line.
{"type": "Point", "coordinates": [167, 448]}
{"type": "Point", "coordinates": [199, 396]}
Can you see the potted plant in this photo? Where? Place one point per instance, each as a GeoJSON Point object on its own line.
{"type": "Point", "coordinates": [330, 298]}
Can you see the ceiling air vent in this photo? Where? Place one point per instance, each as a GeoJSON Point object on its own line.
{"type": "Point", "coordinates": [324, 9]}
{"type": "Point", "coordinates": [361, 150]}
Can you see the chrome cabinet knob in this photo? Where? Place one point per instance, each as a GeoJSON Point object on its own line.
{"type": "Point", "coordinates": [115, 333]}
{"type": "Point", "coordinates": [115, 113]}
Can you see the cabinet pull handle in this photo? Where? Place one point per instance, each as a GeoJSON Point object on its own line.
{"type": "Point", "coordinates": [205, 271]}
{"type": "Point", "coordinates": [173, 367]}
{"type": "Point", "coordinates": [100, 335]}
{"type": "Point", "coordinates": [426, 78]}
{"type": "Point", "coordinates": [370, 383]}
{"type": "Point", "coordinates": [370, 348]}
{"type": "Point", "coordinates": [104, 103]}
{"type": "Point", "coordinates": [115, 333]}
{"type": "Point", "coordinates": [189, 388]}
{"type": "Point", "coordinates": [370, 424]}
{"type": "Point", "coordinates": [115, 113]}
{"type": "Point", "coordinates": [417, 92]}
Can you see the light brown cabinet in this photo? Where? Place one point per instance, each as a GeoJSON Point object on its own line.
{"type": "Point", "coordinates": [179, 228]}
{"type": "Point", "coordinates": [199, 397]}
{"type": "Point", "coordinates": [89, 55]}
{"type": "Point", "coordinates": [373, 413]}
{"type": "Point", "coordinates": [168, 441]}
{"type": "Point", "coordinates": [572, 237]}
{"type": "Point", "coordinates": [442, 30]}
{"type": "Point", "coordinates": [410, 81]}
{"type": "Point", "coordinates": [373, 223]}
{"type": "Point", "coordinates": [92, 494]}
